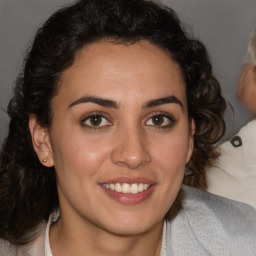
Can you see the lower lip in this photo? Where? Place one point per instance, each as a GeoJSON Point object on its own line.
{"type": "Point", "coordinates": [129, 198]}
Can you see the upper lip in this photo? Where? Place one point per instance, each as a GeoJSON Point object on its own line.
{"type": "Point", "coordinates": [128, 180]}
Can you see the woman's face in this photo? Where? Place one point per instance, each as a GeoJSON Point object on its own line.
{"type": "Point", "coordinates": [120, 137]}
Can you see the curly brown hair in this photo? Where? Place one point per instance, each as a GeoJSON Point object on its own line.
{"type": "Point", "coordinates": [28, 192]}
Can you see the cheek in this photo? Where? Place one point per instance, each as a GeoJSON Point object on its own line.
{"type": "Point", "coordinates": [169, 157]}
{"type": "Point", "coordinates": [172, 151]}
{"type": "Point", "coordinates": [79, 156]}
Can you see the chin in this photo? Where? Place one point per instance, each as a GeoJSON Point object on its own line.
{"type": "Point", "coordinates": [133, 225]}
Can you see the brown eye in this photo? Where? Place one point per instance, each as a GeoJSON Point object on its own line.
{"type": "Point", "coordinates": [157, 120]}
{"type": "Point", "coordinates": [96, 120]}
{"type": "Point", "coordinates": [160, 121]}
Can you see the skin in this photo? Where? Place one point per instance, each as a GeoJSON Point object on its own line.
{"type": "Point", "coordinates": [246, 88]}
{"type": "Point", "coordinates": [127, 143]}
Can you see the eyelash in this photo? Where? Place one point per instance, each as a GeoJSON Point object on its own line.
{"type": "Point", "coordinates": [95, 127]}
{"type": "Point", "coordinates": [164, 117]}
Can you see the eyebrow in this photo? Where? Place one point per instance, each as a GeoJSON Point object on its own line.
{"type": "Point", "coordinates": [161, 101]}
{"type": "Point", "coordinates": [112, 104]}
{"type": "Point", "coordinates": [91, 99]}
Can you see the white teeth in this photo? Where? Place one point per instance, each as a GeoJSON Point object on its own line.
{"type": "Point", "coordinates": [126, 188]}
{"type": "Point", "coordinates": [134, 188]}
{"type": "Point", "coordinates": [118, 187]}
{"type": "Point", "coordinates": [141, 187]}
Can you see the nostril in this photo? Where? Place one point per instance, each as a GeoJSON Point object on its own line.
{"type": "Point", "coordinates": [131, 149]}
{"type": "Point", "coordinates": [130, 159]}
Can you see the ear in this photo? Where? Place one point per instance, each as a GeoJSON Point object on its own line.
{"type": "Point", "coordinates": [191, 139]}
{"type": "Point", "coordinates": [41, 142]}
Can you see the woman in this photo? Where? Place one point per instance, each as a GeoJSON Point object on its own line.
{"type": "Point", "coordinates": [114, 101]}
{"type": "Point", "coordinates": [246, 87]}
{"type": "Point", "coordinates": [233, 175]}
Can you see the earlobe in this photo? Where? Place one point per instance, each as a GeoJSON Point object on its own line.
{"type": "Point", "coordinates": [191, 139]}
{"type": "Point", "coordinates": [41, 142]}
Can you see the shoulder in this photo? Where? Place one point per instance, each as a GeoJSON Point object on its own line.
{"type": "Point", "coordinates": [211, 225]}
{"type": "Point", "coordinates": [7, 249]}
{"type": "Point", "coordinates": [233, 174]}
{"type": "Point", "coordinates": [196, 200]}
{"type": "Point", "coordinates": [35, 247]}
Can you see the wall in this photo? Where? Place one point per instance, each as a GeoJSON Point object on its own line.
{"type": "Point", "coordinates": [223, 25]}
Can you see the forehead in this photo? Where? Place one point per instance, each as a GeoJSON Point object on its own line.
{"type": "Point", "coordinates": [116, 70]}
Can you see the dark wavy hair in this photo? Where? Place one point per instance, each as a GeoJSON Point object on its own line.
{"type": "Point", "coordinates": [28, 192]}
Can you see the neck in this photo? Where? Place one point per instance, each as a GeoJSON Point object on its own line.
{"type": "Point", "coordinates": [80, 241]}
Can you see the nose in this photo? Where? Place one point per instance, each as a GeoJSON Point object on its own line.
{"type": "Point", "coordinates": [131, 150]}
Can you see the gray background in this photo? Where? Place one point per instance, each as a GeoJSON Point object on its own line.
{"type": "Point", "coordinates": [223, 25]}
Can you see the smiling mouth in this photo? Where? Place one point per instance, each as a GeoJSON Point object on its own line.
{"type": "Point", "coordinates": [127, 188]}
